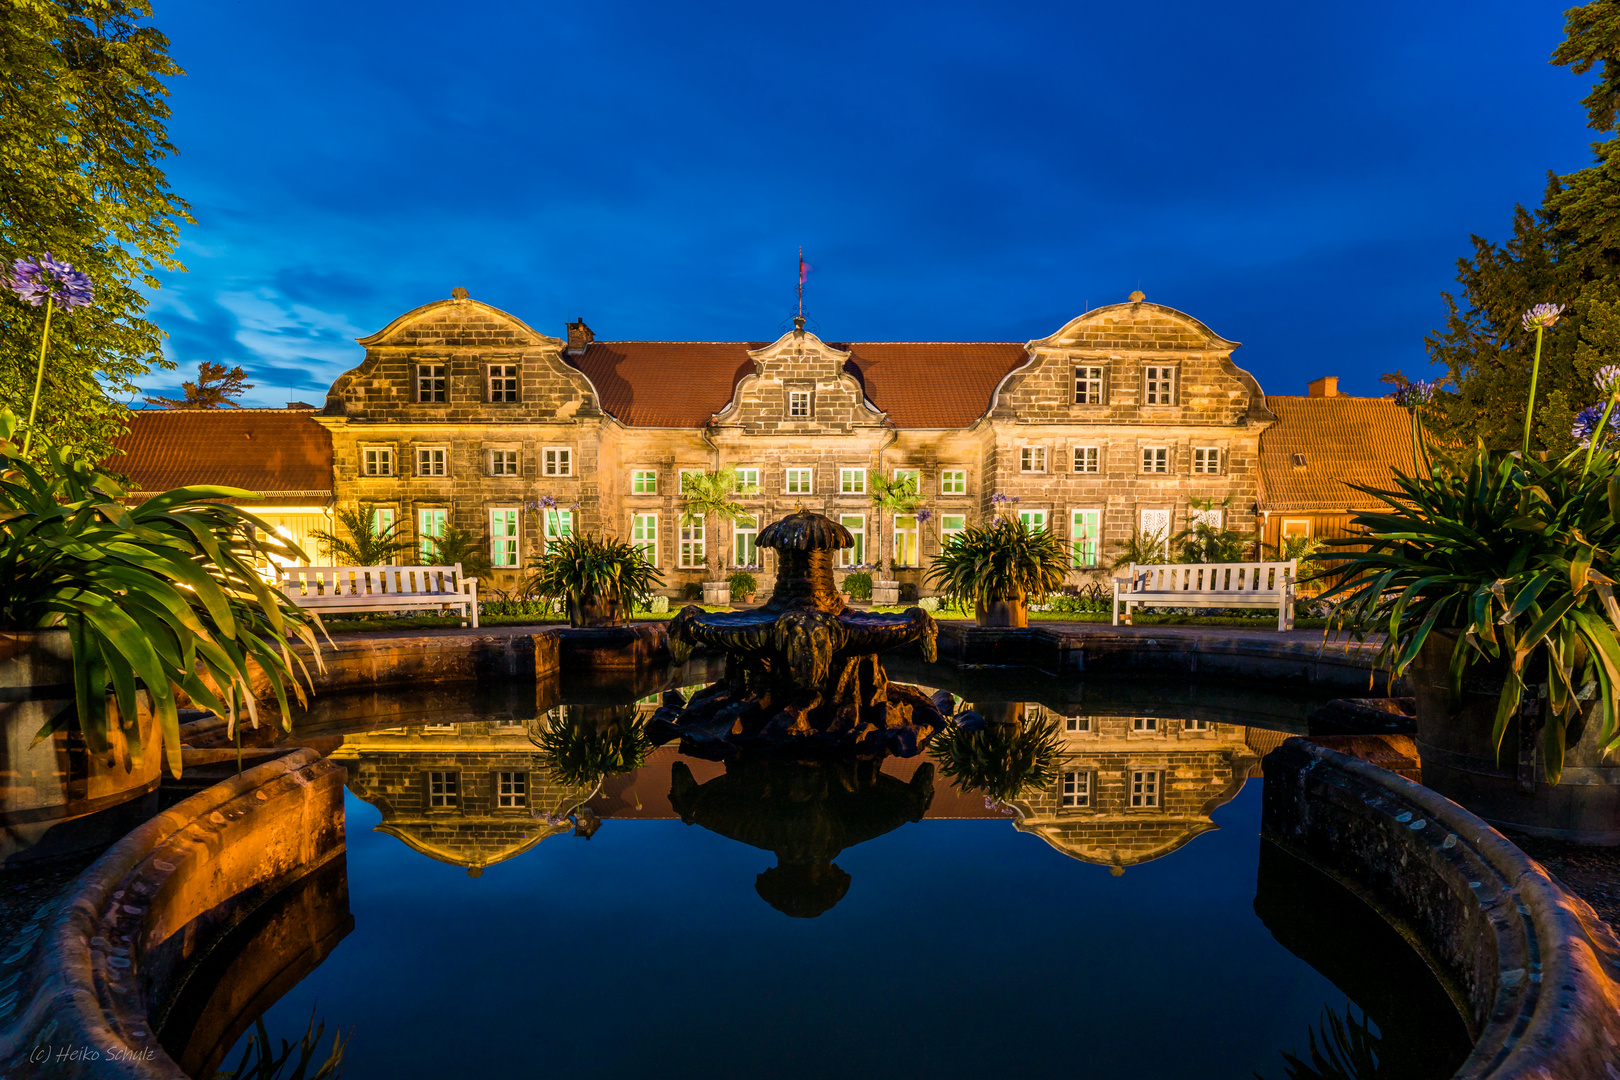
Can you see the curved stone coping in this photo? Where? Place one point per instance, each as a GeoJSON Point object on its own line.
{"type": "Point", "coordinates": [1532, 969]}
{"type": "Point", "coordinates": [90, 972]}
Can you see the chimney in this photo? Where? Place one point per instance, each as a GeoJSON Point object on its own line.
{"type": "Point", "coordinates": [300, 405]}
{"type": "Point", "coordinates": [579, 336]}
{"type": "Point", "coordinates": [1326, 386]}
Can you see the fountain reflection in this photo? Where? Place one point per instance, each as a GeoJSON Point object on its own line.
{"type": "Point", "coordinates": [804, 812]}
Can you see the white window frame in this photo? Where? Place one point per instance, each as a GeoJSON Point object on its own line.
{"type": "Point", "coordinates": [376, 461]}
{"type": "Point", "coordinates": [1211, 517]}
{"type": "Point", "coordinates": [427, 375]}
{"type": "Point", "coordinates": [947, 531]}
{"type": "Point", "coordinates": [1074, 790]}
{"type": "Point", "coordinates": [851, 481]}
{"type": "Point", "coordinates": [1085, 536]}
{"type": "Point", "coordinates": [793, 478]}
{"type": "Point", "coordinates": [1089, 382]}
{"type": "Point", "coordinates": [1207, 460]}
{"type": "Point", "coordinates": [428, 465]}
{"type": "Point", "coordinates": [692, 543]}
{"type": "Point", "coordinates": [1032, 459]}
{"type": "Point", "coordinates": [1077, 725]}
{"type": "Point", "coordinates": [444, 789]}
{"type": "Point", "coordinates": [644, 534]}
{"type": "Point", "coordinates": [1145, 725]}
{"type": "Point", "coordinates": [748, 480]}
{"type": "Point", "coordinates": [557, 522]}
{"type": "Point", "coordinates": [557, 461]}
{"type": "Point", "coordinates": [1088, 460]}
{"type": "Point", "coordinates": [1155, 461]}
{"type": "Point", "coordinates": [1159, 384]}
{"type": "Point", "coordinates": [505, 541]}
{"type": "Point", "coordinates": [1288, 523]}
{"type": "Point", "coordinates": [682, 473]}
{"type": "Point", "coordinates": [799, 405]}
{"type": "Point", "coordinates": [1035, 519]}
{"type": "Point", "coordinates": [638, 477]}
{"type": "Point", "coordinates": [1156, 514]}
{"type": "Point", "coordinates": [899, 476]}
{"type": "Point", "coordinates": [431, 521]}
{"type": "Point", "coordinates": [953, 482]}
{"type": "Point", "coordinates": [502, 382]}
{"type": "Point", "coordinates": [505, 457]}
{"type": "Point", "coordinates": [907, 544]}
{"type": "Point", "coordinates": [853, 556]}
{"type": "Point", "coordinates": [511, 790]}
{"type": "Point", "coordinates": [1146, 788]}
{"type": "Point", "coordinates": [745, 540]}
{"type": "Point", "coordinates": [1195, 727]}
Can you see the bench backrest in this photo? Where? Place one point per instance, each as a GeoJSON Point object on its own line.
{"type": "Point", "coordinates": [371, 580]}
{"type": "Point", "coordinates": [1256, 578]}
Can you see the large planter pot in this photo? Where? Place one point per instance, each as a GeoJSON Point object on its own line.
{"type": "Point", "coordinates": [716, 593]}
{"type": "Point", "coordinates": [1003, 613]}
{"type": "Point", "coordinates": [886, 592]}
{"type": "Point", "coordinates": [55, 796]}
{"type": "Point", "coordinates": [1460, 762]}
{"type": "Point", "coordinates": [594, 610]}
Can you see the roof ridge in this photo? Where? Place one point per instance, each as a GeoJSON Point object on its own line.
{"type": "Point", "coordinates": [221, 412]}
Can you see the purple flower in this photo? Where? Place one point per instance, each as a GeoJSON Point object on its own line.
{"type": "Point", "coordinates": [1586, 422]}
{"type": "Point", "coordinates": [924, 514]}
{"type": "Point", "coordinates": [547, 502]}
{"type": "Point", "coordinates": [573, 506]}
{"type": "Point", "coordinates": [46, 278]}
{"type": "Point", "coordinates": [1414, 394]}
{"type": "Point", "coordinates": [998, 499]}
{"type": "Point", "coordinates": [1542, 315]}
{"type": "Point", "coordinates": [1607, 380]}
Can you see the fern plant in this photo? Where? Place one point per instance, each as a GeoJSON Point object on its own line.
{"type": "Point", "coordinates": [366, 544]}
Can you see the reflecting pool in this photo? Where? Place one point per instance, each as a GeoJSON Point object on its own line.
{"type": "Point", "coordinates": [698, 918]}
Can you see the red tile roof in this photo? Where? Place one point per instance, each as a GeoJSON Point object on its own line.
{"type": "Point", "coordinates": [266, 450]}
{"type": "Point", "coordinates": [1344, 440]}
{"type": "Point", "coordinates": [920, 384]}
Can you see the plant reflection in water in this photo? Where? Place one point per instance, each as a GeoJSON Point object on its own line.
{"type": "Point", "coordinates": [580, 747]}
{"type": "Point", "coordinates": [260, 1062]}
{"type": "Point", "coordinates": [997, 751]}
{"type": "Point", "coordinates": [1349, 1050]}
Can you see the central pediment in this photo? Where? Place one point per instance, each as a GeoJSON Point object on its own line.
{"type": "Point", "coordinates": [799, 385]}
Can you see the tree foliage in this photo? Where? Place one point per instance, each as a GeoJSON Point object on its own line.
{"type": "Point", "coordinates": [214, 388]}
{"type": "Point", "coordinates": [83, 96]}
{"type": "Point", "coordinates": [1566, 251]}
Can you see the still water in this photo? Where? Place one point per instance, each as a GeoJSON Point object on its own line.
{"type": "Point", "coordinates": [1124, 920]}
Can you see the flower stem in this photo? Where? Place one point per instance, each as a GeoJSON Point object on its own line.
{"type": "Point", "coordinates": [1597, 433]}
{"type": "Point", "coordinates": [39, 376]}
{"type": "Point", "coordinates": [1530, 405]}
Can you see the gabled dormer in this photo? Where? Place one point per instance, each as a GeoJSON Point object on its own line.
{"type": "Point", "coordinates": [799, 385]}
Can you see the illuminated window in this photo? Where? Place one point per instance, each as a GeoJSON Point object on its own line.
{"type": "Point", "coordinates": [745, 540]}
{"type": "Point", "coordinates": [1155, 459]}
{"type": "Point", "coordinates": [503, 538]}
{"type": "Point", "coordinates": [1076, 789]}
{"type": "Point", "coordinates": [644, 535]}
{"type": "Point", "coordinates": [950, 526]}
{"type": "Point", "coordinates": [1292, 527]}
{"type": "Point", "coordinates": [691, 543]}
{"type": "Point", "coordinates": [559, 522]}
{"type": "Point", "coordinates": [429, 527]}
{"type": "Point", "coordinates": [511, 790]}
{"type": "Point", "coordinates": [854, 556]}
{"type": "Point", "coordinates": [905, 540]}
{"type": "Point", "coordinates": [852, 481]}
{"type": "Point", "coordinates": [378, 461]}
{"type": "Point", "coordinates": [748, 481]}
{"type": "Point", "coordinates": [799, 481]}
{"type": "Point", "coordinates": [430, 382]}
{"type": "Point", "coordinates": [503, 382]}
{"type": "Point", "coordinates": [644, 482]}
{"type": "Point", "coordinates": [1088, 386]}
{"type": "Point", "coordinates": [1161, 386]}
{"type": "Point", "coordinates": [1085, 530]}
{"type": "Point", "coordinates": [1034, 520]}
{"type": "Point", "coordinates": [558, 461]}
{"type": "Point", "coordinates": [909, 480]}
{"type": "Point", "coordinates": [1144, 788]}
{"type": "Point", "coordinates": [953, 482]}
{"type": "Point", "coordinates": [444, 790]}
{"type": "Point", "coordinates": [432, 461]}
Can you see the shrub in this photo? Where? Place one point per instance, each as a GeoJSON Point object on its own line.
{"type": "Point", "coordinates": [656, 605]}
{"type": "Point", "coordinates": [573, 568]}
{"type": "Point", "coordinates": [858, 586]}
{"type": "Point", "coordinates": [691, 591]}
{"type": "Point", "coordinates": [743, 583]}
{"type": "Point", "coordinates": [929, 604]}
{"type": "Point", "coordinates": [1004, 560]}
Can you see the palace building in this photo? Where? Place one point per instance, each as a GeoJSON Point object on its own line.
{"type": "Point", "coordinates": [462, 414]}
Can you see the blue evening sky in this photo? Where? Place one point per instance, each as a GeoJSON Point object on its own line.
{"type": "Point", "coordinates": [1301, 177]}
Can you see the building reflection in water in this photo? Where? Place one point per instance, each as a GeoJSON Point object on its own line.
{"type": "Point", "coordinates": [1129, 789]}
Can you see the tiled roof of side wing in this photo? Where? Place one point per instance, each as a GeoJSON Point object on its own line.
{"type": "Point", "coordinates": [683, 383]}
{"type": "Point", "coordinates": [265, 450]}
{"type": "Point", "coordinates": [1344, 440]}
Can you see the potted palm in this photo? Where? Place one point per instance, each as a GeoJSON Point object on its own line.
{"type": "Point", "coordinates": [600, 580]}
{"type": "Point", "coordinates": [898, 495]}
{"type": "Point", "coordinates": [995, 751]}
{"type": "Point", "coordinates": [366, 541]}
{"type": "Point", "coordinates": [999, 569]}
{"type": "Point", "coordinates": [705, 495]}
{"type": "Point", "coordinates": [1492, 581]}
{"type": "Point", "coordinates": [111, 617]}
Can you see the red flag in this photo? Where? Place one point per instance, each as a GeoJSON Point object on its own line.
{"type": "Point", "coordinates": [804, 269]}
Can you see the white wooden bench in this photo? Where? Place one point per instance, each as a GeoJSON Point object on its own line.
{"type": "Point", "coordinates": [381, 588]}
{"type": "Point", "coordinates": [1210, 585]}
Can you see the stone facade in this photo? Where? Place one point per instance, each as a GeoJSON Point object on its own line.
{"type": "Point", "coordinates": [460, 410]}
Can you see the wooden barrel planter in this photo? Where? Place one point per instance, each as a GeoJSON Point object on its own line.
{"type": "Point", "coordinates": [56, 797]}
{"type": "Point", "coordinates": [594, 610]}
{"type": "Point", "coordinates": [1014, 613]}
{"type": "Point", "coordinates": [1461, 763]}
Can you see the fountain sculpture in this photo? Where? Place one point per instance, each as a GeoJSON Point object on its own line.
{"type": "Point", "coordinates": [802, 671]}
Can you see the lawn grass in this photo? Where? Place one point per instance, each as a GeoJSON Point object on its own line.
{"type": "Point", "coordinates": [441, 622]}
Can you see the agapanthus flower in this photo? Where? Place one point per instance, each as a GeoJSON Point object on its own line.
{"type": "Point", "coordinates": [925, 514]}
{"type": "Point", "coordinates": [1607, 380]}
{"type": "Point", "coordinates": [1586, 422]}
{"type": "Point", "coordinates": [998, 499]}
{"type": "Point", "coordinates": [1543, 315]}
{"type": "Point", "coordinates": [1413, 394]}
{"type": "Point", "coordinates": [547, 502]}
{"type": "Point", "coordinates": [48, 278]}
